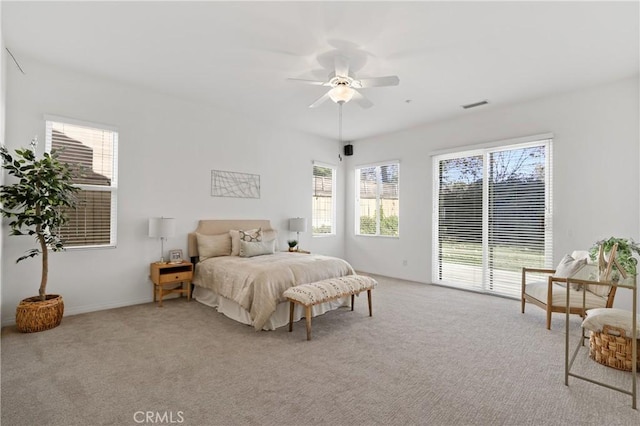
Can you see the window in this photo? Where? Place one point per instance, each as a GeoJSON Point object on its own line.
{"type": "Point", "coordinates": [92, 152]}
{"type": "Point", "coordinates": [324, 206]}
{"type": "Point", "coordinates": [377, 203]}
{"type": "Point", "coordinates": [492, 216]}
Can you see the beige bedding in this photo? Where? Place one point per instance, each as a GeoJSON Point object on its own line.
{"type": "Point", "coordinates": [257, 283]}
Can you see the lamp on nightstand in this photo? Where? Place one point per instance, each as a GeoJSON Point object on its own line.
{"type": "Point", "coordinates": [298, 225]}
{"type": "Point", "coordinates": [163, 228]}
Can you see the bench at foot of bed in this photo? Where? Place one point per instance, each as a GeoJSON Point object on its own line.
{"type": "Point", "coordinates": [312, 294]}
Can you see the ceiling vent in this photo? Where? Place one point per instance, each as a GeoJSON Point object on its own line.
{"type": "Point", "coordinates": [476, 104]}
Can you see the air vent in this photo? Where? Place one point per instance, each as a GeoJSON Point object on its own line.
{"type": "Point", "coordinates": [477, 104]}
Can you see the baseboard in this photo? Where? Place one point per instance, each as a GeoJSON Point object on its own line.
{"type": "Point", "coordinates": [89, 308]}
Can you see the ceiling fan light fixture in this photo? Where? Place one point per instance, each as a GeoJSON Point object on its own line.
{"type": "Point", "coordinates": [341, 93]}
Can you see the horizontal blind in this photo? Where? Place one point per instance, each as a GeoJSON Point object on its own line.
{"type": "Point", "coordinates": [323, 206]}
{"type": "Point", "coordinates": [516, 215]}
{"type": "Point", "coordinates": [367, 200]}
{"type": "Point", "coordinates": [378, 200]}
{"type": "Point", "coordinates": [459, 230]}
{"type": "Point", "coordinates": [492, 216]}
{"type": "Point", "coordinates": [92, 154]}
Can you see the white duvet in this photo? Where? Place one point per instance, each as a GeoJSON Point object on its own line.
{"type": "Point", "coordinates": [257, 283]}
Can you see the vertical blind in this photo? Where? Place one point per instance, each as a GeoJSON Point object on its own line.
{"type": "Point", "coordinates": [323, 212]}
{"type": "Point", "coordinates": [377, 204]}
{"type": "Point", "coordinates": [492, 216]}
{"type": "Point", "coordinates": [92, 154]}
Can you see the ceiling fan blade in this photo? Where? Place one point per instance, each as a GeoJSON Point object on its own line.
{"type": "Point", "coordinates": [391, 80]}
{"type": "Point", "coordinates": [320, 100]}
{"type": "Point", "coordinates": [361, 100]}
{"type": "Point", "coordinates": [342, 66]}
{"type": "Point", "coordinates": [312, 82]}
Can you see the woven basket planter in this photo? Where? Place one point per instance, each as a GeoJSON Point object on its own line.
{"type": "Point", "coordinates": [33, 314]}
{"type": "Point", "coordinates": [612, 348]}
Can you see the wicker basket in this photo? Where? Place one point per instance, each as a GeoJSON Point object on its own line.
{"type": "Point", "coordinates": [33, 314]}
{"type": "Point", "coordinates": [612, 348]}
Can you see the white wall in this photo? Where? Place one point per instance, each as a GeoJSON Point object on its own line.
{"type": "Point", "coordinates": [167, 149]}
{"type": "Point", "coordinates": [595, 184]}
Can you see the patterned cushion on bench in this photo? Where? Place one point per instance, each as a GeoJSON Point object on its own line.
{"type": "Point", "coordinates": [332, 288]}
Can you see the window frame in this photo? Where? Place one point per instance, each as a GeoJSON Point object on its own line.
{"type": "Point", "coordinates": [357, 173]}
{"type": "Point", "coordinates": [113, 188]}
{"type": "Point", "coordinates": [334, 178]}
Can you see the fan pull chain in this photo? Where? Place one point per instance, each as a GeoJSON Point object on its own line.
{"type": "Point", "coordinates": [340, 130]}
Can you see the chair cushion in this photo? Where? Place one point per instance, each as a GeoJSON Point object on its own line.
{"type": "Point", "coordinates": [559, 298]}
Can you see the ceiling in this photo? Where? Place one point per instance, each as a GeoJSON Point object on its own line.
{"type": "Point", "coordinates": [238, 55]}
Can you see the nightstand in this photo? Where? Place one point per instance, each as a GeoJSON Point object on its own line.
{"type": "Point", "coordinates": [163, 274]}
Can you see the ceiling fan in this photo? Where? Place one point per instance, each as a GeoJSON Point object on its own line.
{"type": "Point", "coordinates": [343, 85]}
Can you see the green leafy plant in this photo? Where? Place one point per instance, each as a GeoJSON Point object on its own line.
{"type": "Point", "coordinates": [35, 204]}
{"type": "Point", "coordinates": [624, 254]}
{"type": "Point", "coordinates": [292, 243]}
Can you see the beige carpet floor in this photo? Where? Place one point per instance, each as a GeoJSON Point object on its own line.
{"type": "Point", "coordinates": [428, 356]}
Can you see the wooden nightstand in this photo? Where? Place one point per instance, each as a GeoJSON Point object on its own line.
{"type": "Point", "coordinates": [163, 274]}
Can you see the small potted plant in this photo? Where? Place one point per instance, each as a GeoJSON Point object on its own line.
{"type": "Point", "coordinates": [292, 244]}
{"type": "Point", "coordinates": [624, 253]}
{"type": "Point", "coordinates": [35, 205]}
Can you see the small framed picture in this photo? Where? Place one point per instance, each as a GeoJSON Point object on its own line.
{"type": "Point", "coordinates": [175, 256]}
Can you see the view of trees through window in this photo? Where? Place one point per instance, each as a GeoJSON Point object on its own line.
{"type": "Point", "coordinates": [378, 202]}
{"type": "Point", "coordinates": [484, 237]}
{"type": "Point", "coordinates": [323, 206]}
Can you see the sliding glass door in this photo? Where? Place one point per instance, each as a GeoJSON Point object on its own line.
{"type": "Point", "coordinates": [492, 216]}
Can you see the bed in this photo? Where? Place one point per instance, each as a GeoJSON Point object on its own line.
{"type": "Point", "coordinates": [248, 287]}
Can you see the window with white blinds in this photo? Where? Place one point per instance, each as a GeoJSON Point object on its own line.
{"type": "Point", "coordinates": [323, 212]}
{"type": "Point", "coordinates": [492, 216]}
{"type": "Point", "coordinates": [377, 200]}
{"type": "Point", "coordinates": [92, 153]}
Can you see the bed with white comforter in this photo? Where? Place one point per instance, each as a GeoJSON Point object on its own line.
{"type": "Point", "coordinates": [249, 289]}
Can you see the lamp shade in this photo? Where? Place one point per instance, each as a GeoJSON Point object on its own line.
{"type": "Point", "coordinates": [298, 224]}
{"type": "Point", "coordinates": [341, 93]}
{"type": "Point", "coordinates": [162, 227]}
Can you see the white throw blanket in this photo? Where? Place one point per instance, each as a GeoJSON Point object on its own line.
{"type": "Point", "coordinates": [257, 283]}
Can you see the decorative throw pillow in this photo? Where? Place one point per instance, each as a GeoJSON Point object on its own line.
{"type": "Point", "coordinates": [213, 245]}
{"type": "Point", "coordinates": [235, 239]}
{"type": "Point", "coordinates": [254, 235]}
{"type": "Point", "coordinates": [567, 267]}
{"type": "Point", "coordinates": [256, 248]}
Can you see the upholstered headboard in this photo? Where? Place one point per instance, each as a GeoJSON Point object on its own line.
{"type": "Point", "coordinates": [216, 227]}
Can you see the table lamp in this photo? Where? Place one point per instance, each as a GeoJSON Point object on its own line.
{"type": "Point", "coordinates": [163, 228]}
{"type": "Point", "coordinates": [298, 225]}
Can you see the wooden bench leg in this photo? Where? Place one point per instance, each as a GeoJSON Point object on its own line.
{"type": "Point", "coordinates": [369, 300]}
{"type": "Point", "coordinates": [353, 298]}
{"type": "Point", "coordinates": [307, 313]}
{"type": "Point", "coordinates": [291, 307]}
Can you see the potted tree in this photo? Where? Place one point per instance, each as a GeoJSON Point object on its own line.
{"type": "Point", "coordinates": [35, 205]}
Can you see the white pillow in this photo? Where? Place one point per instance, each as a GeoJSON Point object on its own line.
{"type": "Point", "coordinates": [597, 318]}
{"type": "Point", "coordinates": [567, 267]}
{"type": "Point", "coordinates": [213, 245]}
{"type": "Point", "coordinates": [256, 248]}
{"type": "Point", "coordinates": [271, 235]}
{"type": "Point", "coordinates": [235, 239]}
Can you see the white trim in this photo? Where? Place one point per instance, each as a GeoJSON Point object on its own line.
{"type": "Point", "coordinates": [380, 163]}
{"type": "Point", "coordinates": [81, 123]}
{"type": "Point", "coordinates": [493, 144]}
{"type": "Point", "coordinates": [322, 164]}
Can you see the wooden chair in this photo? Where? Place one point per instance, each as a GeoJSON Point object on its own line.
{"type": "Point", "coordinates": [551, 295]}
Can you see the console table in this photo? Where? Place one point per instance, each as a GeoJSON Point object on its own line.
{"type": "Point", "coordinates": [588, 275]}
